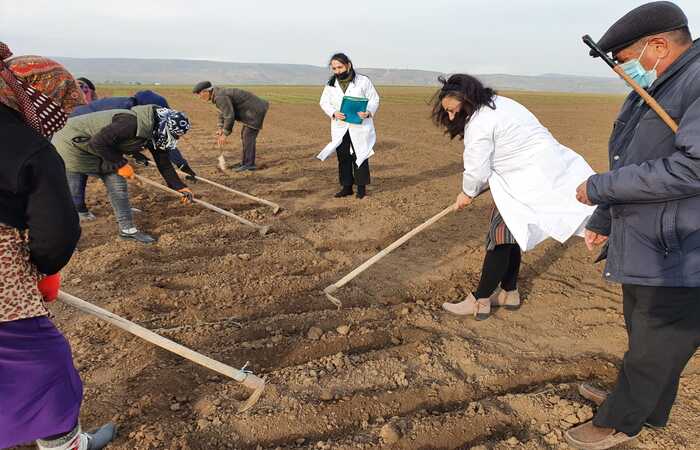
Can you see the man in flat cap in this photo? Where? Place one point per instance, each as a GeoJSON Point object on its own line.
{"type": "Point", "coordinates": [648, 217]}
{"type": "Point", "coordinates": [236, 105]}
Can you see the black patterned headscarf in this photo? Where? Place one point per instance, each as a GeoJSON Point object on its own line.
{"type": "Point", "coordinates": [171, 126]}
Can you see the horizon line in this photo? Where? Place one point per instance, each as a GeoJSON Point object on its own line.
{"type": "Point", "coordinates": [432, 71]}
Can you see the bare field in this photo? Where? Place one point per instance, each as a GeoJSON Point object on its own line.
{"type": "Point", "coordinates": [403, 375]}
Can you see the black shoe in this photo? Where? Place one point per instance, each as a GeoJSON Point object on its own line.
{"type": "Point", "coordinates": [346, 191]}
{"type": "Point", "coordinates": [360, 192]}
{"type": "Point", "coordinates": [137, 236]}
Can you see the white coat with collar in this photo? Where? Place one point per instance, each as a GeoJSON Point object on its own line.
{"type": "Point", "coordinates": [362, 135]}
{"type": "Point", "coordinates": [533, 178]}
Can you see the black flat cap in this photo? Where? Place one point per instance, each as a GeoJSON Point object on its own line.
{"type": "Point", "coordinates": [646, 20]}
{"type": "Point", "coordinates": [199, 87]}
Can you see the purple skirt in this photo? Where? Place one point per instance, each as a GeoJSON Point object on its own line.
{"type": "Point", "coordinates": [40, 389]}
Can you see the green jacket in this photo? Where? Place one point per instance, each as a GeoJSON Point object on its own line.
{"type": "Point", "coordinates": [73, 142]}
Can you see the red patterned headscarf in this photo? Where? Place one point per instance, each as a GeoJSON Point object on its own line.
{"type": "Point", "coordinates": [40, 89]}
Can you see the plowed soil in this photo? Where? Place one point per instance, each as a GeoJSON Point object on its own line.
{"type": "Point", "coordinates": [389, 369]}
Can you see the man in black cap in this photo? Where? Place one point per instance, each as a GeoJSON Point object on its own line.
{"type": "Point", "coordinates": [648, 217]}
{"type": "Point", "coordinates": [236, 104]}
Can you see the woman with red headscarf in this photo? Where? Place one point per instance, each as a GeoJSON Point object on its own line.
{"type": "Point", "coordinates": [40, 389]}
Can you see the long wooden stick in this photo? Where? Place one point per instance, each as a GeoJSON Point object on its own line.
{"type": "Point", "coordinates": [275, 207]}
{"type": "Point", "coordinates": [261, 229]}
{"type": "Point", "coordinates": [651, 101]}
{"type": "Point", "coordinates": [373, 260]}
{"type": "Point", "coordinates": [248, 379]}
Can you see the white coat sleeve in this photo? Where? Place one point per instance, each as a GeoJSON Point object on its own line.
{"type": "Point", "coordinates": [325, 102]}
{"type": "Point", "coordinates": [373, 97]}
{"type": "Point", "coordinates": [478, 155]}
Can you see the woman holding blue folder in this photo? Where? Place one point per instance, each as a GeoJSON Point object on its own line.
{"type": "Point", "coordinates": [351, 102]}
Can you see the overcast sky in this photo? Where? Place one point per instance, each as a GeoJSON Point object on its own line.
{"type": "Point", "coordinates": [526, 37]}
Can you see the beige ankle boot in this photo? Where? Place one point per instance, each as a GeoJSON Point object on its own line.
{"type": "Point", "coordinates": [466, 307]}
{"type": "Point", "coordinates": [481, 309]}
{"type": "Point", "coordinates": [508, 299]}
{"type": "Point", "coordinates": [484, 309]}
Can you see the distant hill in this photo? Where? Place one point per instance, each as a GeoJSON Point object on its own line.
{"type": "Point", "coordinates": [556, 83]}
{"type": "Point", "coordinates": [178, 71]}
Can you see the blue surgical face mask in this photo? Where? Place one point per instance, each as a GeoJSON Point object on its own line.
{"type": "Point", "coordinates": [638, 73]}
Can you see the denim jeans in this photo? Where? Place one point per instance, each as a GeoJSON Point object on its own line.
{"type": "Point", "coordinates": [117, 190]}
{"type": "Point", "coordinates": [77, 183]}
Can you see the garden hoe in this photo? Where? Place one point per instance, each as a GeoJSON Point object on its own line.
{"type": "Point", "coordinates": [261, 229]}
{"type": "Point", "coordinates": [275, 207]}
{"type": "Point", "coordinates": [221, 160]}
{"type": "Point", "coordinates": [245, 377]}
{"type": "Point", "coordinates": [370, 262]}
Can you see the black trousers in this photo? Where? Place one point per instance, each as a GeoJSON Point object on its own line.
{"type": "Point", "coordinates": [663, 326]}
{"type": "Point", "coordinates": [248, 138]}
{"type": "Point", "coordinates": [501, 265]}
{"type": "Point", "coordinates": [348, 171]}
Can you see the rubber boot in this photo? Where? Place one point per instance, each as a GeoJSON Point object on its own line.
{"type": "Point", "coordinates": [100, 437]}
{"type": "Point", "coordinates": [78, 440]}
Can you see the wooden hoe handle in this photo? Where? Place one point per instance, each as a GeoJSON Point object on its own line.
{"type": "Point", "coordinates": [246, 378]}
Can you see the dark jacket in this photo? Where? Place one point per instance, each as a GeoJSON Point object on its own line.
{"type": "Point", "coordinates": [97, 143]}
{"type": "Point", "coordinates": [105, 104]}
{"type": "Point", "coordinates": [237, 104]}
{"type": "Point", "coordinates": [140, 98]}
{"type": "Point", "coordinates": [148, 97]}
{"type": "Point", "coordinates": [650, 199]}
{"type": "Point", "coordinates": [34, 194]}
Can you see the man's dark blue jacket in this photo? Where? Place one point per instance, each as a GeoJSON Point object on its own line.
{"type": "Point", "coordinates": [649, 201]}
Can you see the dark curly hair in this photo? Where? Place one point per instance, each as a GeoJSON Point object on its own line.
{"type": "Point", "coordinates": [470, 92]}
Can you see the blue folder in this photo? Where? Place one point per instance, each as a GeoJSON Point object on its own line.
{"type": "Point", "coordinates": [351, 106]}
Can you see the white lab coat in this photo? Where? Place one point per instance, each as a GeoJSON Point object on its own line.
{"type": "Point", "coordinates": [533, 178]}
{"type": "Point", "coordinates": [362, 135]}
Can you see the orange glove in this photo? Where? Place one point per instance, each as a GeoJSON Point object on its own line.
{"type": "Point", "coordinates": [187, 196]}
{"type": "Point", "coordinates": [49, 286]}
{"type": "Point", "coordinates": [126, 171]}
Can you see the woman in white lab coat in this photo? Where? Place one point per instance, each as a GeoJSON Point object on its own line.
{"type": "Point", "coordinates": [532, 177]}
{"type": "Point", "coordinates": [352, 143]}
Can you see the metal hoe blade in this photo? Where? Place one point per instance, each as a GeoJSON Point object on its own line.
{"type": "Point", "coordinates": [328, 291]}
